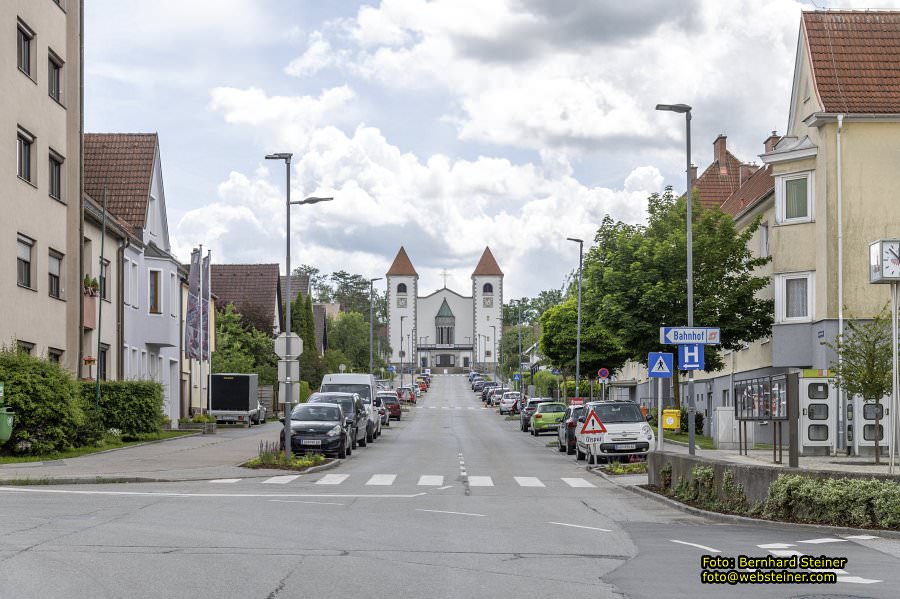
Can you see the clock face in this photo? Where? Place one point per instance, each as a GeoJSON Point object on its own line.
{"type": "Point", "coordinates": [890, 260]}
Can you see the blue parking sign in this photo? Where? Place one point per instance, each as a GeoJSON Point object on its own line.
{"type": "Point", "coordinates": [690, 357]}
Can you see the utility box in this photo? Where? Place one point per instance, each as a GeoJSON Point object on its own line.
{"type": "Point", "coordinates": [6, 423]}
{"type": "Point", "coordinates": [672, 420]}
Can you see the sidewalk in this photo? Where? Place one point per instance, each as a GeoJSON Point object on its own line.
{"type": "Point", "coordinates": [199, 457]}
{"type": "Point", "coordinates": [763, 457]}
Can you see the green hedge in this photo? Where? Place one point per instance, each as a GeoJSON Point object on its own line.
{"type": "Point", "coordinates": [48, 413]}
{"type": "Point", "coordinates": [132, 407]}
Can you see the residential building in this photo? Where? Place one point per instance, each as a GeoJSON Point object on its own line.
{"type": "Point", "coordinates": [127, 167]}
{"type": "Point", "coordinates": [255, 292]}
{"type": "Point", "coordinates": [40, 110]}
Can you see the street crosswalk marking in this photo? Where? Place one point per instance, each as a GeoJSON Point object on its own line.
{"type": "Point", "coordinates": [860, 537]}
{"type": "Point", "coordinates": [225, 480]}
{"type": "Point", "coordinates": [578, 483]}
{"type": "Point", "coordinates": [382, 480]}
{"type": "Point", "coordinates": [431, 480]}
{"type": "Point", "coordinates": [281, 480]}
{"type": "Point", "coordinates": [823, 540]}
{"type": "Point", "coordinates": [332, 479]}
{"type": "Point", "coordinates": [528, 481]}
{"type": "Point", "coordinates": [480, 481]}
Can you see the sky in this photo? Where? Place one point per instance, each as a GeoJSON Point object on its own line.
{"type": "Point", "coordinates": [443, 126]}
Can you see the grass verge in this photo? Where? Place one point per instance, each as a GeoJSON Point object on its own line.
{"type": "Point", "coordinates": [110, 442]}
{"type": "Point", "coordinates": [703, 442]}
{"type": "Point", "coordinates": [617, 468]}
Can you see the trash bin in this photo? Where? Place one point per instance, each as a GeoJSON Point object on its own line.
{"type": "Point", "coordinates": [672, 420]}
{"type": "Point", "coordinates": [6, 424]}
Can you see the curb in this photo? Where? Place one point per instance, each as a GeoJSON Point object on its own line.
{"type": "Point", "coordinates": [735, 519]}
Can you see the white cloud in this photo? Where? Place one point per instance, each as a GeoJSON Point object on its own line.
{"type": "Point", "coordinates": [319, 54]}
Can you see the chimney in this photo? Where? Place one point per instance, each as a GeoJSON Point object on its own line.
{"type": "Point", "coordinates": [747, 170]}
{"type": "Point", "coordinates": [693, 175]}
{"type": "Point", "coordinates": [771, 141]}
{"type": "Point", "coordinates": [719, 149]}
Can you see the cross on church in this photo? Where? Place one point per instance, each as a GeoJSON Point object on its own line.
{"type": "Point", "coordinates": [445, 274]}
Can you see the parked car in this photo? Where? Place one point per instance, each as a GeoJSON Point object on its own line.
{"type": "Point", "coordinates": [382, 409]}
{"type": "Point", "coordinates": [423, 386]}
{"type": "Point", "coordinates": [486, 387]}
{"type": "Point", "coordinates": [627, 432]}
{"type": "Point", "coordinates": [565, 433]}
{"type": "Point", "coordinates": [260, 413]}
{"type": "Point", "coordinates": [392, 403]}
{"type": "Point", "coordinates": [507, 401]}
{"type": "Point", "coordinates": [478, 385]}
{"type": "Point", "coordinates": [406, 394]}
{"type": "Point", "coordinates": [473, 374]}
{"type": "Point", "coordinates": [373, 427]}
{"type": "Point", "coordinates": [320, 428]}
{"type": "Point", "coordinates": [355, 413]}
{"type": "Point", "coordinates": [496, 394]}
{"type": "Point", "coordinates": [547, 416]}
{"type": "Point", "coordinates": [527, 411]}
{"type": "Point", "coordinates": [364, 386]}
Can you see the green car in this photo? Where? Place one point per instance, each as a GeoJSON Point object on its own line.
{"type": "Point", "coordinates": [547, 417]}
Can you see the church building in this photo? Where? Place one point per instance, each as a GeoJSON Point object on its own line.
{"type": "Point", "coordinates": [445, 329]}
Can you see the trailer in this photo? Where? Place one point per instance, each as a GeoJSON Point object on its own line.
{"type": "Point", "coordinates": [234, 398]}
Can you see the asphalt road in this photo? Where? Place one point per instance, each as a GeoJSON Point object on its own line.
{"type": "Point", "coordinates": [453, 501]}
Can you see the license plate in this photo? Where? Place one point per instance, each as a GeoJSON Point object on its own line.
{"type": "Point", "coordinates": [310, 442]}
{"type": "Point", "coordinates": [626, 446]}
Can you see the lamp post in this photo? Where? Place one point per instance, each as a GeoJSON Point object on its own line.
{"type": "Point", "coordinates": [494, 348]}
{"type": "Point", "coordinates": [401, 350]}
{"type": "Point", "coordinates": [580, 243]}
{"type": "Point", "coordinates": [689, 199]}
{"type": "Point", "coordinates": [371, 319]}
{"type": "Point", "coordinates": [288, 384]}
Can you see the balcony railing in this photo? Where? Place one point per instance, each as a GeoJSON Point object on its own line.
{"type": "Point", "coordinates": [446, 346]}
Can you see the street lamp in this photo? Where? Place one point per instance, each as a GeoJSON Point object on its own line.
{"type": "Point", "coordinates": [689, 199]}
{"type": "Point", "coordinates": [371, 319]}
{"type": "Point", "coordinates": [580, 243]}
{"type": "Point", "coordinates": [401, 350]}
{"type": "Point", "coordinates": [288, 384]}
{"type": "Point", "coordinates": [494, 349]}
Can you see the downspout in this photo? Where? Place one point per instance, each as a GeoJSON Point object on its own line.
{"type": "Point", "coordinates": [80, 190]}
{"type": "Point", "coordinates": [120, 305]}
{"type": "Point", "coordinates": [842, 432]}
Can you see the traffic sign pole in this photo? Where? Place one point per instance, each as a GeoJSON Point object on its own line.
{"type": "Point", "coordinates": [659, 426]}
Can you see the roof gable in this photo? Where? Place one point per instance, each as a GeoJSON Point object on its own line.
{"type": "Point", "coordinates": [757, 187]}
{"type": "Point", "coordinates": [254, 289]}
{"type": "Point", "coordinates": [402, 266]}
{"type": "Point", "coordinates": [445, 311]}
{"type": "Point", "coordinates": [719, 181]}
{"type": "Point", "coordinates": [487, 266]}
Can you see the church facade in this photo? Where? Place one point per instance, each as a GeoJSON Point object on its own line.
{"type": "Point", "coordinates": [444, 329]}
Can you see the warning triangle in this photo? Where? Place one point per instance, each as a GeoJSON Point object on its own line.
{"type": "Point", "coordinates": [592, 424]}
{"type": "Point", "coordinates": [661, 367]}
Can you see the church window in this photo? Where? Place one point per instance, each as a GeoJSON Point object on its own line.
{"type": "Point", "coordinates": [488, 288]}
{"type": "Point", "coordinates": [401, 288]}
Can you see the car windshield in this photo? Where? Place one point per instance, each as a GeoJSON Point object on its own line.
{"type": "Point", "coordinates": [362, 390]}
{"type": "Point", "coordinates": [392, 399]}
{"type": "Point", "coordinates": [618, 412]}
{"type": "Point", "coordinates": [533, 404]}
{"type": "Point", "coordinates": [316, 413]}
{"type": "Point", "coordinates": [552, 407]}
{"type": "Point", "coordinates": [344, 401]}
{"type": "Point", "coordinates": [576, 412]}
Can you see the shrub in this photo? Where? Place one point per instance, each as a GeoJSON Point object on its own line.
{"type": "Point", "coordinates": [732, 496]}
{"type": "Point", "coordinates": [90, 432]}
{"type": "Point", "coordinates": [42, 396]}
{"type": "Point", "coordinates": [665, 476]}
{"type": "Point", "coordinates": [133, 407]}
{"type": "Point", "coordinates": [698, 421]}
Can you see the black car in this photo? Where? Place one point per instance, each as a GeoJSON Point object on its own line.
{"type": "Point", "coordinates": [355, 413]}
{"type": "Point", "coordinates": [565, 434]}
{"type": "Point", "coordinates": [320, 428]}
{"type": "Point", "coordinates": [486, 387]}
{"type": "Point", "coordinates": [477, 386]}
{"type": "Point", "coordinates": [527, 410]}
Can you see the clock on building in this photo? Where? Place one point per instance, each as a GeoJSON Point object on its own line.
{"type": "Point", "coordinates": [884, 261]}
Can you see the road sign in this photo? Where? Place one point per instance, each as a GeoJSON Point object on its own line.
{"type": "Point", "coordinates": [659, 365]}
{"type": "Point", "coordinates": [689, 335]}
{"type": "Point", "coordinates": [690, 357]}
{"type": "Point", "coordinates": [603, 373]}
{"type": "Point", "coordinates": [288, 368]}
{"type": "Point", "coordinates": [516, 377]}
{"type": "Point", "coordinates": [555, 371]}
{"type": "Point", "coordinates": [391, 369]}
{"type": "Point", "coordinates": [592, 425]}
{"type": "Point", "coordinates": [281, 345]}
{"type": "Point", "coordinates": [283, 396]}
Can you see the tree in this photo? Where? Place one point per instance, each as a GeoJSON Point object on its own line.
{"type": "Point", "coordinates": [510, 358]}
{"type": "Point", "coordinates": [865, 366]}
{"type": "Point", "coordinates": [635, 279]}
{"type": "Point", "coordinates": [303, 324]}
{"type": "Point", "coordinates": [352, 292]}
{"type": "Point", "coordinates": [241, 348]}
{"type": "Point", "coordinates": [349, 334]}
{"type": "Point", "coordinates": [318, 282]}
{"type": "Point", "coordinates": [333, 360]}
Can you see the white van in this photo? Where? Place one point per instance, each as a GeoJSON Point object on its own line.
{"type": "Point", "coordinates": [363, 385]}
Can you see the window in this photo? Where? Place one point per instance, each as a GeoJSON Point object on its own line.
{"type": "Point", "coordinates": [24, 39]}
{"type": "Point", "coordinates": [794, 297]}
{"type": "Point", "coordinates": [54, 268]}
{"type": "Point", "coordinates": [173, 295]}
{"type": "Point", "coordinates": [817, 411]}
{"type": "Point", "coordinates": [135, 296]}
{"type": "Point", "coordinates": [793, 198]}
{"type": "Point", "coordinates": [55, 173]}
{"type": "Point", "coordinates": [24, 347]}
{"type": "Point", "coordinates": [23, 261]}
{"type": "Point", "coordinates": [54, 76]}
{"type": "Point", "coordinates": [104, 274]}
{"type": "Point", "coordinates": [126, 274]}
{"type": "Point", "coordinates": [764, 240]}
{"type": "Point", "coordinates": [54, 355]}
{"type": "Point", "coordinates": [401, 288]}
{"type": "Point", "coordinates": [155, 293]}
{"type": "Point", "coordinates": [102, 361]}
{"type": "Point", "coordinates": [488, 288]}
{"type": "Point", "coordinates": [24, 145]}
{"type": "Point", "coordinates": [725, 397]}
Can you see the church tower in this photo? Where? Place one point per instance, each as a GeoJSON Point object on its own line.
{"type": "Point", "coordinates": [487, 300]}
{"type": "Point", "coordinates": [402, 292]}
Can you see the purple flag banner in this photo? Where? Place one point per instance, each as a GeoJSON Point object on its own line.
{"type": "Point", "coordinates": [192, 316]}
{"type": "Point", "coordinates": [204, 306]}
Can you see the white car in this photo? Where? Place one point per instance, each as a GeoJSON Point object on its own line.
{"type": "Point", "coordinates": [508, 401]}
{"type": "Point", "coordinates": [612, 430]}
{"type": "Point", "coordinates": [374, 427]}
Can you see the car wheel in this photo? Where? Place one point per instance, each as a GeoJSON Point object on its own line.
{"type": "Point", "coordinates": [370, 436]}
{"type": "Point", "coordinates": [570, 450]}
{"type": "Point", "coordinates": [342, 452]}
{"type": "Point", "coordinates": [560, 446]}
{"type": "Point", "coordinates": [364, 441]}
{"type": "Point", "coordinates": [353, 442]}
{"type": "Point", "coordinates": [578, 454]}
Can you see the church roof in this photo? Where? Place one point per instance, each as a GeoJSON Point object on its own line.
{"type": "Point", "coordinates": [402, 266]}
{"type": "Point", "coordinates": [445, 311]}
{"type": "Point", "coordinates": [487, 266]}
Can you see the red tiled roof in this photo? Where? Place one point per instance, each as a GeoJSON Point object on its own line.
{"type": "Point", "coordinates": [487, 266]}
{"type": "Point", "coordinates": [402, 266]}
{"type": "Point", "coordinates": [254, 289]}
{"type": "Point", "coordinates": [121, 163]}
{"type": "Point", "coordinates": [855, 57]}
{"type": "Point", "coordinates": [719, 181]}
{"type": "Point", "coordinates": [758, 186]}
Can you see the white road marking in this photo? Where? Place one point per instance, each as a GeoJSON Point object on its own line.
{"type": "Point", "coordinates": [579, 526]}
{"type": "Point", "coordinates": [281, 480]}
{"type": "Point", "coordinates": [226, 495]}
{"type": "Point", "coordinates": [445, 408]}
{"type": "Point", "coordinates": [332, 479]}
{"type": "Point", "coordinates": [444, 487]}
{"type": "Point", "coordinates": [710, 549]}
{"type": "Point", "coordinates": [480, 481]}
{"type": "Point", "coordinates": [856, 579]}
{"type": "Point", "coordinates": [823, 540]}
{"type": "Point", "coordinates": [861, 537]}
{"type": "Point", "coordinates": [382, 480]}
{"type": "Point", "coordinates": [578, 483]}
{"type": "Point", "coordinates": [225, 480]}
{"type": "Point", "coordinates": [784, 552]}
{"type": "Point", "coordinates": [431, 407]}
{"type": "Point", "coordinates": [776, 546]}
{"type": "Point", "coordinates": [431, 480]}
{"type": "Point", "coordinates": [528, 481]}
{"type": "Point", "coordinates": [313, 502]}
{"type": "Point", "coordinates": [456, 513]}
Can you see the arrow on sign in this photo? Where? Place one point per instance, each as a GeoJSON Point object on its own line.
{"type": "Point", "coordinates": [592, 421]}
